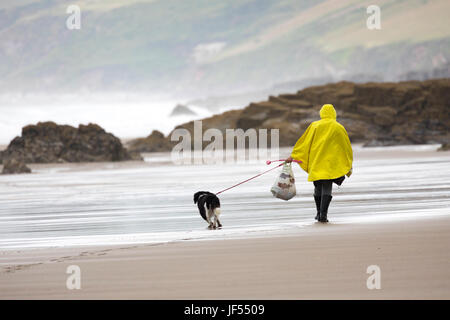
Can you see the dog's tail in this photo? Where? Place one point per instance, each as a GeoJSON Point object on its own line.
{"type": "Point", "coordinates": [215, 202]}
{"type": "Point", "coordinates": [217, 211]}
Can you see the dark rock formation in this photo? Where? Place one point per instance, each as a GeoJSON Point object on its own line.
{"type": "Point", "coordinates": [377, 114]}
{"type": "Point", "coordinates": [48, 142]}
{"type": "Point", "coordinates": [181, 110]}
{"type": "Point", "coordinates": [13, 166]}
{"type": "Point", "coordinates": [444, 147]}
{"type": "Point", "coordinates": [155, 142]}
{"type": "Point", "coordinates": [135, 156]}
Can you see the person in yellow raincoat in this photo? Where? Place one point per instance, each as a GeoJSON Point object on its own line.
{"type": "Point", "coordinates": [326, 155]}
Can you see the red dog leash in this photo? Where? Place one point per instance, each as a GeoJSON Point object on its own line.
{"type": "Point", "coordinates": [267, 162]}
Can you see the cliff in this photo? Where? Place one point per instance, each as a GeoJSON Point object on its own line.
{"type": "Point", "coordinates": [410, 112]}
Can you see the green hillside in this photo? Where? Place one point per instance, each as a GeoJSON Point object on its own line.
{"type": "Point", "coordinates": [212, 46]}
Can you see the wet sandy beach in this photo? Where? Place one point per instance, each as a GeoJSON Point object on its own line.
{"type": "Point", "coordinates": [320, 262]}
{"type": "Point", "coordinates": [135, 233]}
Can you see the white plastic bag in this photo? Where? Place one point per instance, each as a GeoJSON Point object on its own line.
{"type": "Point", "coordinates": [284, 186]}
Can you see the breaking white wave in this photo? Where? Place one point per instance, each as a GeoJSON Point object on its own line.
{"type": "Point", "coordinates": [125, 115]}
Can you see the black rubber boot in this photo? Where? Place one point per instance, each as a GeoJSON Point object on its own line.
{"type": "Point", "coordinates": [326, 199]}
{"type": "Point", "coordinates": [318, 199]}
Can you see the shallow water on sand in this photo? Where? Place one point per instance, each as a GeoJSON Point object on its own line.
{"type": "Point", "coordinates": [151, 202]}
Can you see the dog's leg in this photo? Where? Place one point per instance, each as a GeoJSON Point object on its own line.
{"type": "Point", "coordinates": [219, 225]}
{"type": "Point", "coordinates": [210, 224]}
{"type": "Point", "coordinates": [215, 220]}
{"type": "Point", "coordinates": [209, 216]}
{"type": "Point", "coordinates": [216, 215]}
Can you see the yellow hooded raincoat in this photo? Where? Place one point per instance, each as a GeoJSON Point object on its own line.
{"type": "Point", "coordinates": [324, 148]}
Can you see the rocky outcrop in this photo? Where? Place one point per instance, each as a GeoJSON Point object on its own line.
{"type": "Point", "coordinates": [411, 112]}
{"type": "Point", "coordinates": [13, 166]}
{"type": "Point", "coordinates": [182, 110]}
{"type": "Point", "coordinates": [48, 142]}
{"type": "Point", "coordinates": [155, 142]}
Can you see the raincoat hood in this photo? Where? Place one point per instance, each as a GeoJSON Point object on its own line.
{"type": "Point", "coordinates": [328, 112]}
{"type": "Point", "coordinates": [324, 148]}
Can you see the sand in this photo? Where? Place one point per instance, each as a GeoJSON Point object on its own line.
{"type": "Point", "coordinates": [116, 224]}
{"type": "Point", "coordinates": [316, 262]}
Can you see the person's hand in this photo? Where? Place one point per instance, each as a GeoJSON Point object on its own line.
{"type": "Point", "coordinates": [289, 160]}
{"type": "Point", "coordinates": [349, 173]}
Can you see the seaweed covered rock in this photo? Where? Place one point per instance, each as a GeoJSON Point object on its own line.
{"type": "Point", "coordinates": [13, 166]}
{"type": "Point", "coordinates": [376, 114]}
{"type": "Point", "coordinates": [155, 142]}
{"type": "Point", "coordinates": [48, 142]}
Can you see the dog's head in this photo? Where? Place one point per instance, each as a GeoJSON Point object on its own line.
{"type": "Point", "coordinates": [198, 194]}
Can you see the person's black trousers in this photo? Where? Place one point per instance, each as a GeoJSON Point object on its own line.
{"type": "Point", "coordinates": [323, 187]}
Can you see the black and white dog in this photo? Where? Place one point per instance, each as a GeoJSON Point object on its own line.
{"type": "Point", "coordinates": [209, 207]}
